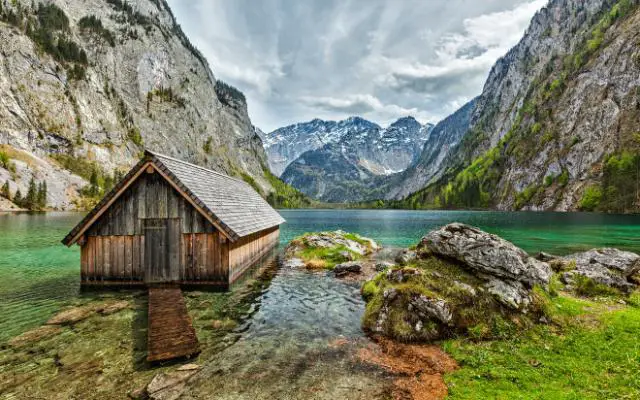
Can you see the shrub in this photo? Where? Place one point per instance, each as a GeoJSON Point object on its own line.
{"type": "Point", "coordinates": [591, 198]}
{"type": "Point", "coordinates": [563, 179]}
{"type": "Point", "coordinates": [207, 145]}
{"type": "Point", "coordinates": [135, 136]}
{"type": "Point", "coordinates": [5, 161]}
{"type": "Point", "coordinates": [4, 192]}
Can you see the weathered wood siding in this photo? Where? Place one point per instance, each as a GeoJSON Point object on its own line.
{"type": "Point", "coordinates": [149, 197]}
{"type": "Point", "coordinates": [246, 251]}
{"type": "Point", "coordinates": [192, 250]}
{"type": "Point", "coordinates": [112, 258]}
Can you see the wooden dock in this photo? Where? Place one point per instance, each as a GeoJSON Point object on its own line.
{"type": "Point", "coordinates": [171, 334]}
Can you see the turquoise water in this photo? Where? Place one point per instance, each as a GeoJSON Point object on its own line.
{"type": "Point", "coordinates": [38, 275]}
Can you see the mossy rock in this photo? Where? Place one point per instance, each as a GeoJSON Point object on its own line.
{"type": "Point", "coordinates": [324, 250]}
{"type": "Point", "coordinates": [434, 299]}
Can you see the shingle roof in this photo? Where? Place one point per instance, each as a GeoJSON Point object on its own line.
{"type": "Point", "coordinates": [232, 203]}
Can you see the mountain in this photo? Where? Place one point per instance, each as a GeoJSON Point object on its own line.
{"type": "Point", "coordinates": [284, 145]}
{"type": "Point", "coordinates": [557, 124]}
{"type": "Point", "coordinates": [357, 157]}
{"type": "Point", "coordinates": [442, 140]}
{"type": "Point", "coordinates": [85, 86]}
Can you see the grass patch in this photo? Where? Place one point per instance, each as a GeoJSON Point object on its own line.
{"type": "Point", "coordinates": [329, 250]}
{"type": "Point", "coordinates": [589, 288]}
{"type": "Point", "coordinates": [328, 258]}
{"type": "Point", "coordinates": [576, 361]}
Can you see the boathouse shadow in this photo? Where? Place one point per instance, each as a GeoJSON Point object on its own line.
{"type": "Point", "coordinates": [139, 330]}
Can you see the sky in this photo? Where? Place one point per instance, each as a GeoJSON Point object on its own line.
{"type": "Point", "coordinates": [296, 60]}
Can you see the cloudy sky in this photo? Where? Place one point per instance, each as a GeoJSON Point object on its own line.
{"type": "Point", "coordinates": [296, 60]}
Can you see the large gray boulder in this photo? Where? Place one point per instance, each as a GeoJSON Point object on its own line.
{"type": "Point", "coordinates": [611, 267]}
{"type": "Point", "coordinates": [487, 255]}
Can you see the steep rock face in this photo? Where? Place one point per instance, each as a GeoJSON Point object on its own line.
{"type": "Point", "coordinates": [140, 83]}
{"type": "Point", "coordinates": [327, 174]}
{"type": "Point", "coordinates": [442, 140]}
{"type": "Point", "coordinates": [556, 125]}
{"type": "Point", "coordinates": [355, 166]}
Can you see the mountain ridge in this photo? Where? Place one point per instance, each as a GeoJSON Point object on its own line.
{"type": "Point", "coordinates": [88, 86]}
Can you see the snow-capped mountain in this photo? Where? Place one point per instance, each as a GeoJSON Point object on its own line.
{"type": "Point", "coordinates": [339, 161]}
{"type": "Point", "coordinates": [284, 145]}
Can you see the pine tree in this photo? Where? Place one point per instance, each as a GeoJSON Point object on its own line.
{"type": "Point", "coordinates": [4, 192]}
{"type": "Point", "coordinates": [32, 195]}
{"type": "Point", "coordinates": [94, 185]}
{"type": "Point", "coordinates": [42, 195]}
{"type": "Point", "coordinates": [17, 199]}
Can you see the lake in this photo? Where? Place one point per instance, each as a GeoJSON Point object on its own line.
{"type": "Point", "coordinates": [38, 275]}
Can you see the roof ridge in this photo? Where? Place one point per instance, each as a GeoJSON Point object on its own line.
{"type": "Point", "coordinates": [156, 154]}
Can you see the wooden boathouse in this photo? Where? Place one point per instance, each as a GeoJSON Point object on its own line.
{"type": "Point", "coordinates": [169, 221]}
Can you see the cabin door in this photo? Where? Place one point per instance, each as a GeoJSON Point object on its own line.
{"type": "Point", "coordinates": [162, 250]}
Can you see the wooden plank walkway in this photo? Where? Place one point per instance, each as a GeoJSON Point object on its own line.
{"type": "Point", "coordinates": [171, 334]}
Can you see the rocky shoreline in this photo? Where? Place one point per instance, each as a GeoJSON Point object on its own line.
{"type": "Point", "coordinates": [456, 283]}
{"type": "Point", "coordinates": [460, 280]}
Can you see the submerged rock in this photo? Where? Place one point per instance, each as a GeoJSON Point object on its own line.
{"type": "Point", "coordinates": [170, 385]}
{"type": "Point", "coordinates": [111, 308]}
{"type": "Point", "coordinates": [486, 254]}
{"type": "Point", "coordinates": [71, 316]}
{"type": "Point", "coordinates": [611, 267]}
{"type": "Point", "coordinates": [35, 335]}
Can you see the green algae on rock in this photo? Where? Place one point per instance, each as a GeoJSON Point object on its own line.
{"type": "Point", "coordinates": [325, 250]}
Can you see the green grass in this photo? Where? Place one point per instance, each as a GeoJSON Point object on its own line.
{"type": "Point", "coordinates": [577, 361]}
{"type": "Point", "coordinates": [331, 256]}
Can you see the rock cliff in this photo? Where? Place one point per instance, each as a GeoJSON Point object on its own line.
{"type": "Point", "coordinates": [86, 85]}
{"type": "Point", "coordinates": [556, 127]}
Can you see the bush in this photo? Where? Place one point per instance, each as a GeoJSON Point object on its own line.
{"type": "Point", "coordinates": [5, 161]}
{"type": "Point", "coordinates": [591, 198]}
{"type": "Point", "coordinates": [207, 145]}
{"type": "Point", "coordinates": [135, 136]}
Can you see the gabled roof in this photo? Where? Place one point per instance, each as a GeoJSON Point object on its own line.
{"type": "Point", "coordinates": [230, 204]}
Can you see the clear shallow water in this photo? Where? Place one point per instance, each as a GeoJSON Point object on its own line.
{"type": "Point", "coordinates": [38, 275]}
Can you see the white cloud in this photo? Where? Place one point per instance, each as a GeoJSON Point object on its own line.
{"type": "Point", "coordinates": [335, 58]}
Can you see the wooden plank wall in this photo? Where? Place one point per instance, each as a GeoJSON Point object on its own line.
{"type": "Point", "coordinates": [205, 258]}
{"type": "Point", "coordinates": [149, 197]}
{"type": "Point", "coordinates": [249, 249]}
{"type": "Point", "coordinates": [112, 258]}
